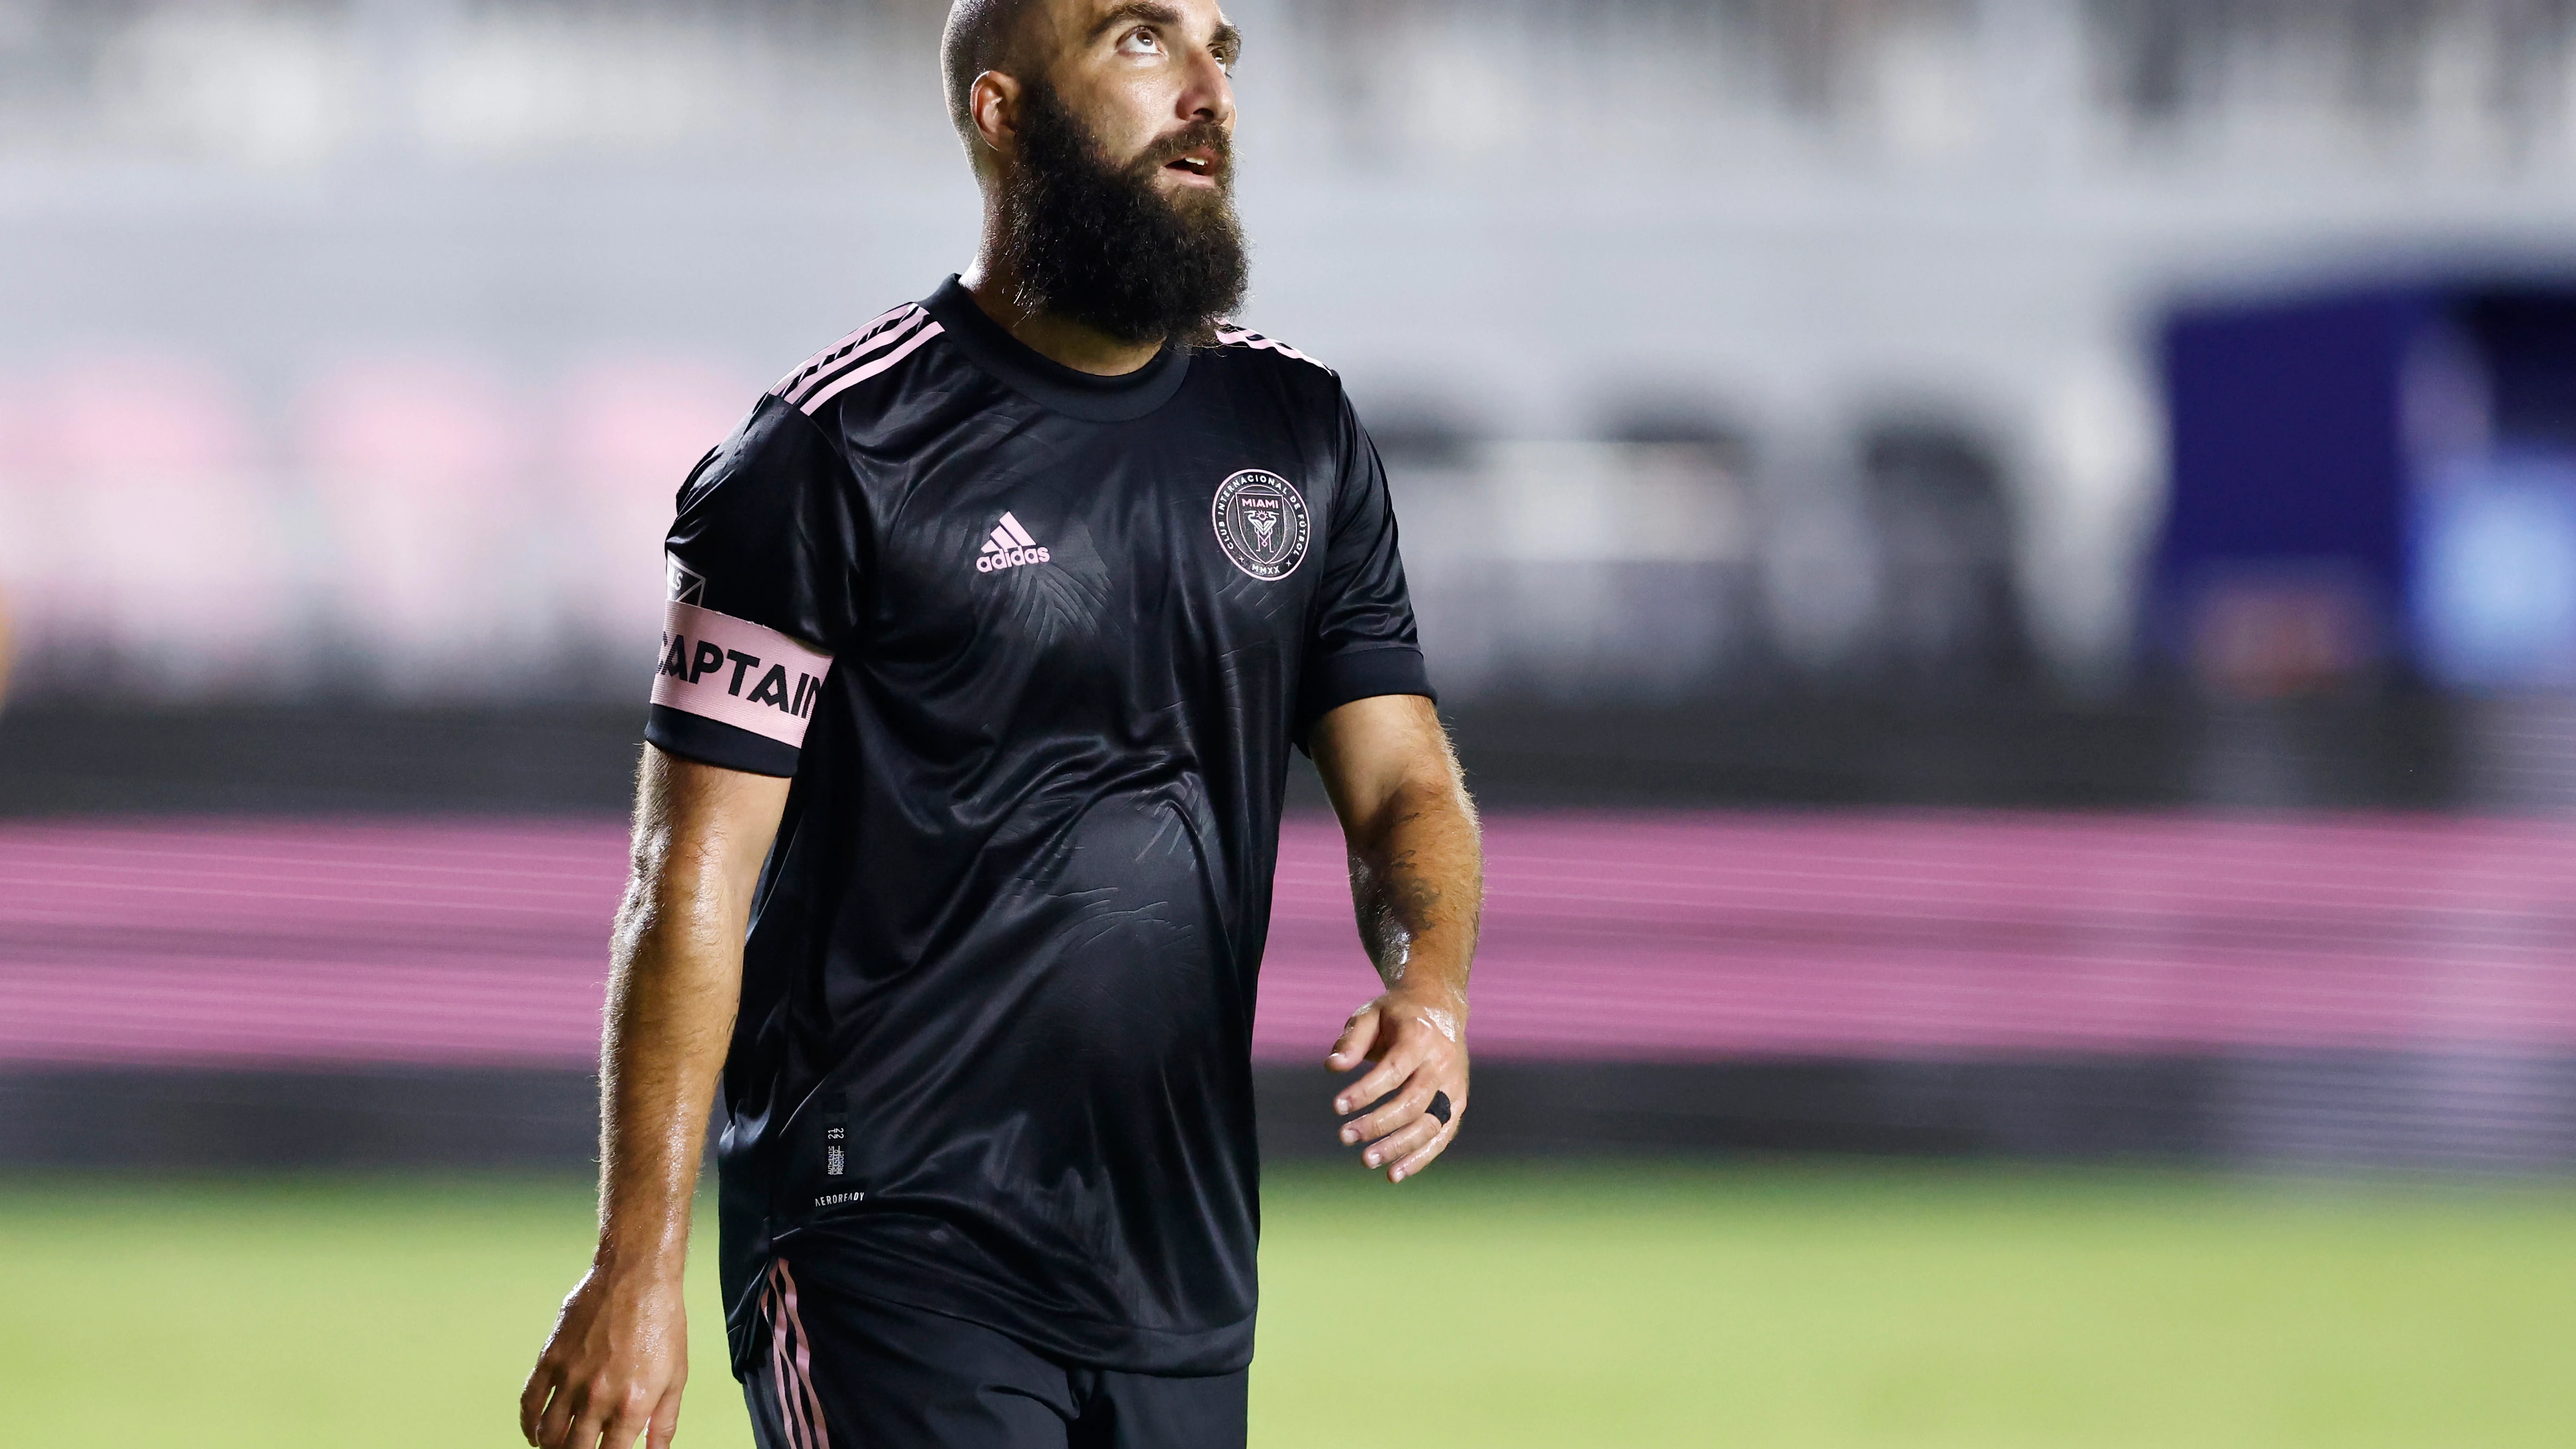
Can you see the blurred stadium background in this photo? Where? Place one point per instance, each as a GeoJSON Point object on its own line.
{"type": "Point", "coordinates": [2004, 569]}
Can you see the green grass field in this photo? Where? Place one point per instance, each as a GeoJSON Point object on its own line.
{"type": "Point", "coordinates": [1484, 1306]}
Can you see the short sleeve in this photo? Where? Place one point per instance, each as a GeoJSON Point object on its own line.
{"type": "Point", "coordinates": [764, 564]}
{"type": "Point", "coordinates": [1361, 640]}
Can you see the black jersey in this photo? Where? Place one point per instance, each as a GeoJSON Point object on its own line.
{"type": "Point", "coordinates": [1036, 647]}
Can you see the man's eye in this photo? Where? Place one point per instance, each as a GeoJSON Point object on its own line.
{"type": "Point", "coordinates": [1141, 42]}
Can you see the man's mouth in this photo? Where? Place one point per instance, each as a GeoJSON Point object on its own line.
{"type": "Point", "coordinates": [1200, 163]}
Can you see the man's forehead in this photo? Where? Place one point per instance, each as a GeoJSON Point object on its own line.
{"type": "Point", "coordinates": [1089, 17]}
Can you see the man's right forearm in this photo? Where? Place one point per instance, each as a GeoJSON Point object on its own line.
{"type": "Point", "coordinates": [617, 1361]}
{"type": "Point", "coordinates": [674, 987]}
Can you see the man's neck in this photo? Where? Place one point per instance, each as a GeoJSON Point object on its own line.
{"type": "Point", "coordinates": [1059, 339]}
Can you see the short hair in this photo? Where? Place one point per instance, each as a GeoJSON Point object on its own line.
{"type": "Point", "coordinates": [982, 35]}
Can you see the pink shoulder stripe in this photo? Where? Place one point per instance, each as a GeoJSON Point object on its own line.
{"type": "Point", "coordinates": [839, 353]}
{"type": "Point", "coordinates": [1228, 335]}
{"type": "Point", "coordinates": [823, 359]}
{"type": "Point", "coordinates": [854, 377]}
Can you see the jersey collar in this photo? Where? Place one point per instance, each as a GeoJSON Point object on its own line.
{"type": "Point", "coordinates": [1047, 381]}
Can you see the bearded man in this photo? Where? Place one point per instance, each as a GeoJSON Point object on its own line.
{"type": "Point", "coordinates": [991, 633]}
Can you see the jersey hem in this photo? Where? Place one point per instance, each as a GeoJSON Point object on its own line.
{"type": "Point", "coordinates": [847, 1267]}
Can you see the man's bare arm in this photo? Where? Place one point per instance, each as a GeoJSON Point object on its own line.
{"type": "Point", "coordinates": [1418, 885]}
{"type": "Point", "coordinates": [618, 1358]}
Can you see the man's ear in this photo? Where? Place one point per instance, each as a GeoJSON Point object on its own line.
{"type": "Point", "coordinates": [994, 104]}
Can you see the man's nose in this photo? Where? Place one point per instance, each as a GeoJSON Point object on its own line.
{"type": "Point", "coordinates": [1208, 93]}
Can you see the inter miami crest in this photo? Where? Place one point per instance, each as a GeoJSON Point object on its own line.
{"type": "Point", "coordinates": [1262, 524]}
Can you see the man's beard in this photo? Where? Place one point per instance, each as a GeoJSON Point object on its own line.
{"type": "Point", "coordinates": [1100, 244]}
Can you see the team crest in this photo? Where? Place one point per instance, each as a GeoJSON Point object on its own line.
{"type": "Point", "coordinates": [1262, 524]}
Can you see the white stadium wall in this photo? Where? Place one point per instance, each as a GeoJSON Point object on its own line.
{"type": "Point", "coordinates": [407, 316]}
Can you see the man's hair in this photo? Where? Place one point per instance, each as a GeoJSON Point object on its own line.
{"type": "Point", "coordinates": [982, 35]}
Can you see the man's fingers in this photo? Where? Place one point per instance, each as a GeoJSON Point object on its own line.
{"type": "Point", "coordinates": [634, 1415]}
{"type": "Point", "coordinates": [1423, 1156]}
{"type": "Point", "coordinates": [587, 1427]}
{"type": "Point", "coordinates": [554, 1430]}
{"type": "Point", "coordinates": [1358, 1039]}
{"type": "Point", "coordinates": [532, 1399]}
{"type": "Point", "coordinates": [666, 1421]}
{"type": "Point", "coordinates": [1410, 1103]}
{"type": "Point", "coordinates": [1396, 1145]}
{"type": "Point", "coordinates": [1400, 1062]}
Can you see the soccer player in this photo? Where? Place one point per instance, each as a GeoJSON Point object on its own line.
{"type": "Point", "coordinates": [991, 633]}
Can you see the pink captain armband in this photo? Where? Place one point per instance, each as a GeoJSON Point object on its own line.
{"type": "Point", "coordinates": [739, 673]}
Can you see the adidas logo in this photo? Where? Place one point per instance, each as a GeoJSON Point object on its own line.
{"type": "Point", "coordinates": [1008, 548]}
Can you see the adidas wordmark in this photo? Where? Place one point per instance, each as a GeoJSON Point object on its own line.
{"type": "Point", "coordinates": [1009, 547]}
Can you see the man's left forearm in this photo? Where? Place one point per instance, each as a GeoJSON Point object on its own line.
{"type": "Point", "coordinates": [1417, 885]}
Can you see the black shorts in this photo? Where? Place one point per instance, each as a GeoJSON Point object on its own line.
{"type": "Point", "coordinates": [842, 1372]}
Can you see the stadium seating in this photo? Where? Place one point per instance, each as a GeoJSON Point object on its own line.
{"type": "Point", "coordinates": [624, 432]}
{"type": "Point", "coordinates": [149, 546]}
{"type": "Point", "coordinates": [435, 559]}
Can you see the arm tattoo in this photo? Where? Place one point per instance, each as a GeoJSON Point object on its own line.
{"type": "Point", "coordinates": [1394, 903]}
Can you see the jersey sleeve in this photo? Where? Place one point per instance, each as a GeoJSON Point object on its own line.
{"type": "Point", "coordinates": [1361, 641]}
{"type": "Point", "coordinates": [764, 564]}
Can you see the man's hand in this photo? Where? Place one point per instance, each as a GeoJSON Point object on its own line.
{"type": "Point", "coordinates": [613, 1368]}
{"type": "Point", "coordinates": [1420, 1049]}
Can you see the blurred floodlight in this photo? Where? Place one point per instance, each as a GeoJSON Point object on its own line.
{"type": "Point", "coordinates": [2498, 601]}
